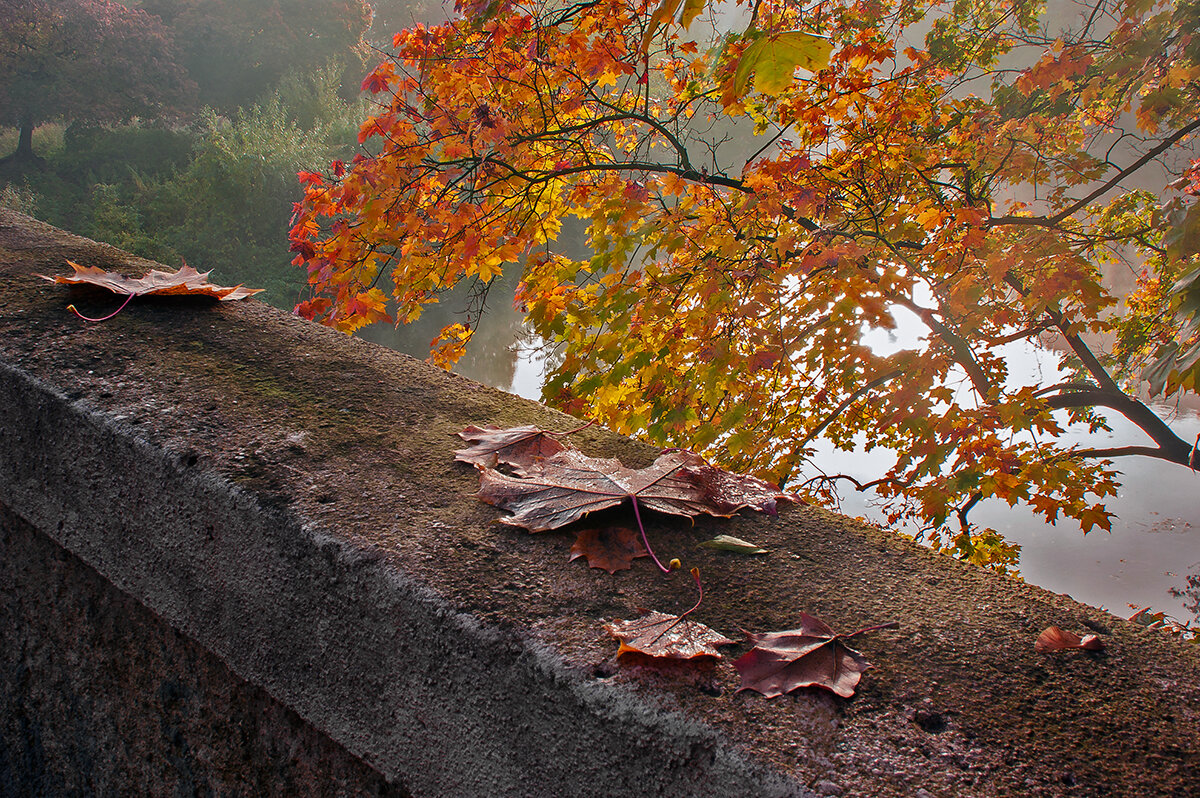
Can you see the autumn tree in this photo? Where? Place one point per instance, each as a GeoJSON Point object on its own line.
{"type": "Point", "coordinates": [966, 165]}
{"type": "Point", "coordinates": [93, 60]}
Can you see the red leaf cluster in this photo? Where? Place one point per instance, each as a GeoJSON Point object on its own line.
{"type": "Point", "coordinates": [547, 486]}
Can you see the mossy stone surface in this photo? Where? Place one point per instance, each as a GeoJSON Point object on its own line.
{"type": "Point", "coordinates": [344, 442]}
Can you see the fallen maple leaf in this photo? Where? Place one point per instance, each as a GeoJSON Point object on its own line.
{"type": "Point", "coordinates": [185, 281]}
{"type": "Point", "coordinates": [612, 548]}
{"type": "Point", "coordinates": [663, 636]}
{"type": "Point", "coordinates": [1055, 639]}
{"type": "Point", "coordinates": [565, 487]}
{"type": "Point", "coordinates": [812, 656]}
{"type": "Point", "coordinates": [516, 446]}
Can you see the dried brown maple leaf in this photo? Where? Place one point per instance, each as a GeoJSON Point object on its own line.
{"type": "Point", "coordinates": [663, 636]}
{"type": "Point", "coordinates": [812, 656]}
{"type": "Point", "coordinates": [185, 281]}
{"type": "Point", "coordinates": [612, 548]}
{"type": "Point", "coordinates": [565, 487]}
{"type": "Point", "coordinates": [1055, 639]}
{"type": "Point", "coordinates": [516, 446]}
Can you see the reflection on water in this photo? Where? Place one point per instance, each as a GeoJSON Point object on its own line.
{"type": "Point", "coordinates": [501, 353]}
{"type": "Point", "coordinates": [1151, 557]}
{"type": "Point", "coordinates": [1153, 552]}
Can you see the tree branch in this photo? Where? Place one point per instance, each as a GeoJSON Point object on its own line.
{"type": "Point", "coordinates": [1170, 446]}
{"type": "Point", "coordinates": [1050, 221]}
{"type": "Point", "coordinates": [958, 345]}
{"type": "Point", "coordinates": [849, 400]}
{"type": "Point", "coordinates": [1127, 451]}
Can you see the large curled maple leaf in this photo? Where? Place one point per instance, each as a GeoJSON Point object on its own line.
{"type": "Point", "coordinates": [811, 656]}
{"type": "Point", "coordinates": [185, 281]}
{"type": "Point", "coordinates": [566, 486]}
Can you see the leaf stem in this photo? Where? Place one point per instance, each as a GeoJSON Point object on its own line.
{"type": "Point", "coordinates": [645, 540]}
{"type": "Point", "coordinates": [571, 431]}
{"type": "Point", "coordinates": [696, 606]}
{"type": "Point", "coordinates": [699, 589]}
{"type": "Point", "coordinates": [73, 309]}
{"type": "Point", "coordinates": [880, 627]}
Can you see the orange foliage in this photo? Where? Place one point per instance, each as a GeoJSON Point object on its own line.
{"type": "Point", "coordinates": [724, 302]}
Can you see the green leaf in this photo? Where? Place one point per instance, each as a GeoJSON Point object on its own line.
{"type": "Point", "coordinates": [1187, 289]}
{"type": "Point", "coordinates": [774, 59]}
{"type": "Point", "coordinates": [735, 545]}
{"type": "Point", "coordinates": [1176, 368]}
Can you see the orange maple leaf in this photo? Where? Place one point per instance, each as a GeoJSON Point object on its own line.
{"type": "Point", "coordinates": [185, 281]}
{"type": "Point", "coordinates": [611, 548]}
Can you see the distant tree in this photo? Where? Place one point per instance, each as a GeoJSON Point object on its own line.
{"type": "Point", "coordinates": [90, 60]}
{"type": "Point", "coordinates": [237, 50]}
{"type": "Point", "coordinates": [393, 16]}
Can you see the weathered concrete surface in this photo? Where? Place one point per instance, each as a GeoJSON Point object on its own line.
{"type": "Point", "coordinates": [100, 697]}
{"type": "Point", "coordinates": [286, 498]}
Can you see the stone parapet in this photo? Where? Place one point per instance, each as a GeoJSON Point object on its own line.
{"type": "Point", "coordinates": [237, 543]}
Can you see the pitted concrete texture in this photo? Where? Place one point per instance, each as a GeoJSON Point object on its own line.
{"type": "Point", "coordinates": [100, 697]}
{"type": "Point", "coordinates": [286, 498]}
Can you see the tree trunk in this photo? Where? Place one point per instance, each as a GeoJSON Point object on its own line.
{"type": "Point", "coordinates": [23, 157]}
{"type": "Point", "coordinates": [25, 142]}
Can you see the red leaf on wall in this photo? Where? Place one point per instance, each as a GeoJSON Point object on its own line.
{"type": "Point", "coordinates": [811, 656]}
{"type": "Point", "coordinates": [663, 636]}
{"type": "Point", "coordinates": [1055, 639]}
{"type": "Point", "coordinates": [565, 487]}
{"type": "Point", "coordinates": [516, 446]}
{"type": "Point", "coordinates": [612, 548]}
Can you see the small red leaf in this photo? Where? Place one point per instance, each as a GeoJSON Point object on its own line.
{"type": "Point", "coordinates": [663, 636]}
{"type": "Point", "coordinates": [810, 656]}
{"type": "Point", "coordinates": [375, 82]}
{"type": "Point", "coordinates": [613, 548]}
{"type": "Point", "coordinates": [1055, 639]}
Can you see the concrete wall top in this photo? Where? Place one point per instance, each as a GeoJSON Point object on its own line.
{"type": "Point", "coordinates": [287, 497]}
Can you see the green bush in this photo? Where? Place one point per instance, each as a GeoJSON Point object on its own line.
{"type": "Point", "coordinates": [120, 223]}
{"type": "Point", "coordinates": [112, 154]}
{"type": "Point", "coordinates": [229, 210]}
{"type": "Point", "coordinates": [218, 194]}
{"type": "Point", "coordinates": [18, 198]}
